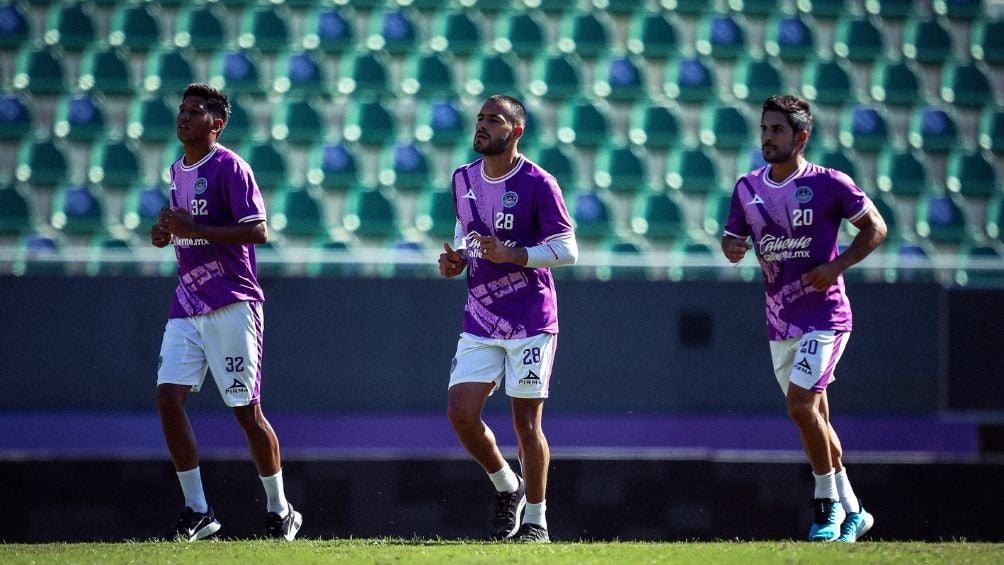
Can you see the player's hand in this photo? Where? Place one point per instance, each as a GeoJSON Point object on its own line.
{"type": "Point", "coordinates": [159, 235]}
{"type": "Point", "coordinates": [178, 222]}
{"type": "Point", "coordinates": [823, 276]}
{"type": "Point", "coordinates": [494, 250]}
{"type": "Point", "coordinates": [735, 249]}
{"type": "Point", "coordinates": [451, 263]}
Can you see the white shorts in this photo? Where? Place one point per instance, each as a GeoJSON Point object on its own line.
{"type": "Point", "coordinates": [524, 363]}
{"type": "Point", "coordinates": [808, 361]}
{"type": "Point", "coordinates": [227, 342]}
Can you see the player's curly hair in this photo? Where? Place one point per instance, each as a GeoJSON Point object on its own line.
{"type": "Point", "coordinates": [217, 103]}
{"type": "Point", "coordinates": [797, 110]}
{"type": "Point", "coordinates": [516, 108]}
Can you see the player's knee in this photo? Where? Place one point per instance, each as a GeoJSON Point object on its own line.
{"type": "Point", "coordinates": [462, 415]}
{"type": "Point", "coordinates": [802, 412]}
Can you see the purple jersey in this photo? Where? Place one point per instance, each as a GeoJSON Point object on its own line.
{"type": "Point", "coordinates": [794, 225]}
{"type": "Point", "coordinates": [524, 208]}
{"type": "Point", "coordinates": [219, 190]}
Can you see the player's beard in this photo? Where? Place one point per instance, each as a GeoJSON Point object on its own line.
{"type": "Point", "coordinates": [780, 154]}
{"type": "Point", "coordinates": [495, 146]}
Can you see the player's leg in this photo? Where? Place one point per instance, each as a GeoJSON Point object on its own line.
{"type": "Point", "coordinates": [858, 520]}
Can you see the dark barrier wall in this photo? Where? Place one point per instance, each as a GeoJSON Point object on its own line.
{"type": "Point", "coordinates": [385, 344]}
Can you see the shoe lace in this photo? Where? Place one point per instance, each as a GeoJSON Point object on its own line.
{"type": "Point", "coordinates": [822, 510]}
{"type": "Point", "coordinates": [504, 507]}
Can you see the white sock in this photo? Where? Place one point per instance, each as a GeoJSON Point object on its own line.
{"type": "Point", "coordinates": [191, 487]}
{"type": "Point", "coordinates": [848, 499]}
{"type": "Point", "coordinates": [276, 496]}
{"type": "Point", "coordinates": [826, 487]}
{"type": "Point", "coordinates": [534, 514]}
{"type": "Point", "coordinates": [505, 480]}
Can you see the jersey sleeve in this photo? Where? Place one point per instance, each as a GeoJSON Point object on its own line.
{"type": "Point", "coordinates": [246, 201]}
{"type": "Point", "coordinates": [853, 202]}
{"type": "Point", "coordinates": [552, 212]}
{"type": "Point", "coordinates": [737, 225]}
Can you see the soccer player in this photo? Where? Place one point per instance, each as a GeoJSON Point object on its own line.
{"type": "Point", "coordinates": [512, 227]}
{"type": "Point", "coordinates": [217, 215]}
{"type": "Point", "coordinates": [793, 209]}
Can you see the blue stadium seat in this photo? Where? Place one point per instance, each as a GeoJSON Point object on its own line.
{"type": "Point", "coordinates": [790, 38]}
{"type": "Point", "coordinates": [141, 207]}
{"type": "Point", "coordinates": [16, 118]}
{"type": "Point", "coordinates": [39, 254]}
{"type": "Point", "coordinates": [943, 218]}
{"type": "Point", "coordinates": [394, 31]}
{"type": "Point", "coordinates": [933, 129]}
{"type": "Point", "coordinates": [591, 216]}
{"type": "Point", "coordinates": [441, 123]}
{"type": "Point", "coordinates": [78, 209]}
{"type": "Point", "coordinates": [15, 27]}
{"type": "Point", "coordinates": [621, 78]}
{"type": "Point", "coordinates": [329, 29]}
{"type": "Point", "coordinates": [332, 165]}
{"type": "Point", "coordinates": [300, 72]}
{"type": "Point", "coordinates": [79, 117]}
{"type": "Point", "coordinates": [721, 36]}
{"type": "Point", "coordinates": [235, 71]}
{"type": "Point", "coordinates": [405, 166]}
{"type": "Point", "coordinates": [864, 128]}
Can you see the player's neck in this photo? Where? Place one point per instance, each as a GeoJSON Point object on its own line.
{"type": "Point", "coordinates": [197, 152]}
{"type": "Point", "coordinates": [779, 172]}
{"type": "Point", "coordinates": [497, 166]}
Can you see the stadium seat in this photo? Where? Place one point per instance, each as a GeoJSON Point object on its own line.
{"type": "Point", "coordinates": [720, 36]}
{"type": "Point", "coordinates": [300, 72]}
{"type": "Point", "coordinates": [494, 73]}
{"type": "Point", "coordinates": [135, 27]}
{"type": "Point", "coordinates": [112, 255]}
{"type": "Point", "coordinates": [270, 259]}
{"type": "Point", "coordinates": [238, 128]}
{"type": "Point", "coordinates": [659, 216]}
{"type": "Point", "coordinates": [78, 209]}
{"type": "Point", "coordinates": [441, 123]}
{"type": "Point", "coordinates": [42, 162]}
{"type": "Point", "coordinates": [725, 127]}
{"type": "Point", "coordinates": [823, 9]}
{"type": "Point", "coordinates": [864, 129]}
{"type": "Point", "coordinates": [436, 215]}
{"type": "Point", "coordinates": [141, 207]}
{"type": "Point", "coordinates": [943, 218]}
{"type": "Point", "coordinates": [692, 170]}
{"type": "Point", "coordinates": [394, 31]}
{"type": "Point", "coordinates": [268, 161]}
{"type": "Point", "coordinates": [15, 27]}
{"type": "Point", "coordinates": [587, 34]}
{"type": "Point", "coordinates": [16, 119]}
{"type": "Point", "coordinates": [199, 26]}
{"type": "Point", "coordinates": [835, 158]}
{"type": "Point", "coordinates": [756, 8]}
{"type": "Point", "coordinates": [297, 211]}
{"type": "Point", "coordinates": [933, 129]}
{"type": "Point", "coordinates": [332, 165]}
{"type": "Point", "coordinates": [891, 10]}
{"type": "Point", "coordinates": [886, 206]}
{"type": "Point", "coordinates": [522, 33]}
{"type": "Point", "coordinates": [619, 251]}
{"type": "Point", "coordinates": [369, 213]}
{"type": "Point", "coordinates": [333, 258]}
{"type": "Point", "coordinates": [405, 166]}
{"type": "Point", "coordinates": [70, 25]}
{"type": "Point", "coordinates": [966, 85]}
{"type": "Point", "coordinates": [364, 73]}
{"type": "Point", "coordinates": [265, 29]}
{"type": "Point", "coordinates": [790, 38]}
{"type": "Point", "coordinates": [621, 168]}
{"type": "Point", "coordinates": [296, 119]}
{"type": "Point", "coordinates": [756, 79]}
{"type": "Point", "coordinates": [621, 78]}
{"type": "Point", "coordinates": [429, 75]}
{"type": "Point", "coordinates": [910, 262]}
{"type": "Point", "coordinates": [981, 265]}
{"type": "Point", "coordinates": [689, 79]}
{"type": "Point", "coordinates": [329, 29]}
{"type": "Point", "coordinates": [169, 70]}
{"type": "Point", "coordinates": [369, 122]}
{"type": "Point", "coordinates": [235, 71]}
{"type": "Point", "coordinates": [591, 216]}
{"type": "Point", "coordinates": [653, 35]}
{"type": "Point", "coordinates": [39, 254]}
{"type": "Point", "coordinates": [927, 40]}
{"type": "Point", "coordinates": [971, 174]}
{"type": "Point", "coordinates": [958, 9]}
{"type": "Point", "coordinates": [79, 117]}
{"type": "Point", "coordinates": [991, 130]}
{"type": "Point", "coordinates": [689, 7]}
{"type": "Point", "coordinates": [16, 215]}
{"type": "Point", "coordinates": [583, 123]}
{"type": "Point", "coordinates": [151, 119]}
{"type": "Point", "coordinates": [105, 70]}
{"type": "Point", "coordinates": [560, 161]}
{"type": "Point", "coordinates": [559, 77]}
{"type": "Point", "coordinates": [995, 218]}
{"type": "Point", "coordinates": [858, 39]}
{"type": "Point", "coordinates": [716, 212]}
{"type": "Point", "coordinates": [896, 83]}
{"type": "Point", "coordinates": [828, 82]}
{"type": "Point", "coordinates": [655, 126]}
{"type": "Point", "coordinates": [686, 249]}
{"type": "Point", "coordinates": [39, 70]}
{"type": "Point", "coordinates": [458, 32]}
{"type": "Point", "coordinates": [987, 41]}
{"type": "Point", "coordinates": [902, 172]}
{"type": "Point", "coordinates": [114, 163]}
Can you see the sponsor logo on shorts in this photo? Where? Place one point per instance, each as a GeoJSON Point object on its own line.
{"type": "Point", "coordinates": [237, 388]}
{"type": "Point", "coordinates": [804, 366]}
{"type": "Point", "coordinates": [531, 379]}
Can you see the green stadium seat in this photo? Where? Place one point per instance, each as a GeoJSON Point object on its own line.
{"type": "Point", "coordinates": [692, 170]}
{"type": "Point", "coordinates": [790, 37]}
{"type": "Point", "coordinates": [141, 207]}
{"type": "Point", "coordinates": [136, 27]}
{"type": "Point", "coordinates": [659, 216]}
{"type": "Point", "coordinates": [168, 70]}
{"type": "Point", "coordinates": [902, 172]}
{"type": "Point", "coordinates": [864, 129]}
{"type": "Point", "coordinates": [755, 8]}
{"type": "Point", "coordinates": [79, 117]}
{"type": "Point", "coordinates": [42, 162]}
{"type": "Point", "coordinates": [721, 36]}
{"type": "Point", "coordinates": [560, 77]}
{"type": "Point", "coordinates": [297, 211]}
{"type": "Point", "coordinates": [332, 165]}
{"type": "Point", "coordinates": [114, 163]}
{"type": "Point", "coordinates": [369, 213]}
{"type": "Point", "coordinates": [835, 158]}
{"type": "Point", "coordinates": [653, 35]}
{"type": "Point", "coordinates": [265, 29]}
{"type": "Point", "coordinates": [690, 80]}
{"type": "Point", "coordinates": [429, 75]}
{"type": "Point", "coordinates": [16, 215]}
{"type": "Point", "coordinates": [333, 258]}
{"type": "Point", "coordinates": [16, 118]}
{"type": "Point", "coordinates": [300, 72]}
{"type": "Point", "coordinates": [560, 161]}
{"type": "Point", "coordinates": [987, 41]}
{"type": "Point", "coordinates": [238, 128]}
{"type": "Point", "coordinates": [70, 25]}
{"type": "Point", "coordinates": [200, 27]}
{"type": "Point", "coordinates": [623, 7]}
{"type": "Point", "coordinates": [270, 257]}
{"type": "Point", "coordinates": [591, 216]}
{"type": "Point", "coordinates": [716, 212]}
{"type": "Point", "coordinates": [991, 130]}
{"type": "Point", "coordinates": [622, 251]}
{"type": "Point", "coordinates": [933, 129]}
{"type": "Point", "coordinates": [756, 79]}
{"type": "Point", "coordinates": [891, 10]}
{"type": "Point", "coordinates": [365, 73]}
{"type": "Point", "coordinates": [78, 209]}
{"type": "Point", "coordinates": [39, 70]}
{"type": "Point", "coordinates": [394, 31]}
{"type": "Point", "coordinates": [268, 161]}
{"type": "Point", "coordinates": [858, 39]}
{"type": "Point", "coordinates": [943, 218]}
{"type": "Point", "coordinates": [621, 168]}
{"type": "Point", "coordinates": [370, 122]}
{"type": "Point", "coordinates": [971, 174]}
{"type": "Point", "coordinates": [828, 82]}
{"type": "Point", "coordinates": [958, 9]}
{"type": "Point", "coordinates": [689, 249]}
{"type": "Point", "coordinates": [458, 32]}
{"type": "Point", "coordinates": [522, 33]}
{"type": "Point", "coordinates": [688, 7]}
{"type": "Point", "coordinates": [39, 254]}
{"type": "Point", "coordinates": [329, 29]}
{"type": "Point", "coordinates": [236, 72]}
{"type": "Point", "coordinates": [112, 255]}
{"type": "Point", "coordinates": [655, 126]}
{"type": "Point", "coordinates": [823, 9]}
{"type": "Point", "coordinates": [896, 83]}
{"type": "Point", "coordinates": [297, 119]}
{"type": "Point", "coordinates": [15, 26]}
{"type": "Point", "coordinates": [966, 85]}
{"type": "Point", "coordinates": [494, 73]}
{"type": "Point", "coordinates": [995, 218]}
{"type": "Point", "coordinates": [982, 265]}
{"type": "Point", "coordinates": [621, 78]}
{"type": "Point", "coordinates": [436, 215]}
{"type": "Point", "coordinates": [725, 127]}
{"type": "Point", "coordinates": [927, 40]}
{"type": "Point", "coordinates": [583, 123]}
{"type": "Point", "coordinates": [886, 206]}
{"type": "Point", "coordinates": [587, 34]}
{"type": "Point", "coordinates": [105, 70]}
{"type": "Point", "coordinates": [151, 119]}
{"type": "Point", "coordinates": [405, 166]}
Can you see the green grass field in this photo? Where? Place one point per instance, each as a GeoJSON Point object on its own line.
{"type": "Point", "coordinates": [440, 551]}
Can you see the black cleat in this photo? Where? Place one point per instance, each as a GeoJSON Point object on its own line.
{"type": "Point", "coordinates": [508, 509]}
{"type": "Point", "coordinates": [194, 525]}
{"type": "Point", "coordinates": [286, 528]}
{"type": "Point", "coordinates": [531, 533]}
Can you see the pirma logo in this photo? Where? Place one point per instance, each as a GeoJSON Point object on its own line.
{"type": "Point", "coordinates": [532, 378]}
{"type": "Point", "coordinates": [237, 388]}
{"type": "Point", "coordinates": [804, 366]}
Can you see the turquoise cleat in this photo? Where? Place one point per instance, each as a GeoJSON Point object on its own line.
{"type": "Point", "coordinates": [828, 515]}
{"type": "Point", "coordinates": [855, 525]}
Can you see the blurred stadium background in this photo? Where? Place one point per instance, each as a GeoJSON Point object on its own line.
{"type": "Point", "coordinates": [353, 114]}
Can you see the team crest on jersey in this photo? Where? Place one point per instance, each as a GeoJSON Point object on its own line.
{"type": "Point", "coordinates": [201, 185]}
{"type": "Point", "coordinates": [803, 194]}
{"type": "Point", "coordinates": [509, 199]}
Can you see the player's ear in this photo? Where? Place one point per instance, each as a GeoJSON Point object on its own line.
{"type": "Point", "coordinates": [517, 132]}
{"type": "Point", "coordinates": [217, 125]}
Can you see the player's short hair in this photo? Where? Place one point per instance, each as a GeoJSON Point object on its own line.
{"type": "Point", "coordinates": [516, 108]}
{"type": "Point", "coordinates": [217, 103]}
{"type": "Point", "coordinates": [797, 110]}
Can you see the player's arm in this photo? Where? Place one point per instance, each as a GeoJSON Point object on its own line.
{"type": "Point", "coordinates": [734, 247]}
{"type": "Point", "coordinates": [452, 262]}
{"type": "Point", "coordinates": [181, 223]}
{"type": "Point", "coordinates": [871, 233]}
